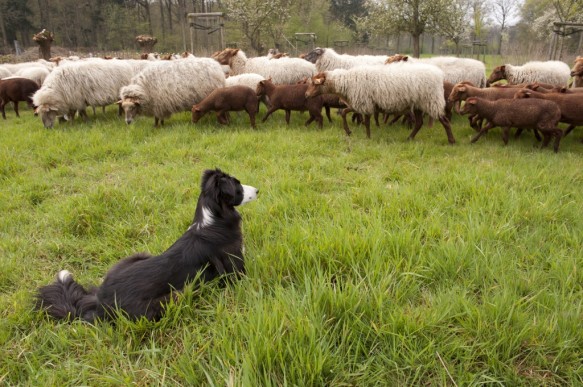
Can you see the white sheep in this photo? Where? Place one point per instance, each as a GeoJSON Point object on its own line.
{"type": "Point", "coordinates": [168, 87]}
{"type": "Point", "coordinates": [4, 72]}
{"type": "Point", "coordinates": [249, 80]}
{"type": "Point", "coordinates": [553, 71]}
{"type": "Point", "coordinates": [282, 71]}
{"type": "Point", "coordinates": [396, 88]}
{"type": "Point", "coordinates": [35, 73]}
{"type": "Point", "coordinates": [327, 59]}
{"type": "Point", "coordinates": [77, 85]}
{"type": "Point", "coordinates": [455, 69]}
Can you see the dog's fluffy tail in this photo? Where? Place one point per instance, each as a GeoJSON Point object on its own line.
{"type": "Point", "coordinates": [65, 299]}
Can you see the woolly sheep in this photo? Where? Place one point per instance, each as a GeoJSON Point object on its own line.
{"type": "Point", "coordinates": [552, 71]}
{"type": "Point", "coordinates": [36, 73]}
{"type": "Point", "coordinates": [455, 70]}
{"type": "Point", "coordinates": [391, 89]}
{"type": "Point", "coordinates": [249, 80]}
{"type": "Point", "coordinates": [168, 87]}
{"type": "Point", "coordinates": [282, 71]}
{"type": "Point", "coordinates": [327, 59]}
{"type": "Point", "coordinates": [75, 86]}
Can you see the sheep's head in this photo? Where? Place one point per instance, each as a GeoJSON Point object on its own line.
{"type": "Point", "coordinates": [47, 115]}
{"type": "Point", "coordinates": [470, 106]}
{"type": "Point", "coordinates": [317, 85]}
{"type": "Point", "coordinates": [458, 93]}
{"type": "Point", "coordinates": [196, 114]}
{"type": "Point", "coordinates": [132, 107]}
{"type": "Point", "coordinates": [262, 86]}
{"type": "Point", "coordinates": [523, 93]}
{"type": "Point", "coordinates": [498, 73]}
{"type": "Point", "coordinates": [313, 55]}
{"type": "Point", "coordinates": [224, 57]}
{"type": "Point", "coordinates": [397, 58]}
{"type": "Point", "coordinates": [577, 69]}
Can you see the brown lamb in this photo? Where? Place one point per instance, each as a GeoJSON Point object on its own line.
{"type": "Point", "coordinates": [227, 99]}
{"type": "Point", "coordinates": [290, 97]}
{"type": "Point", "coordinates": [15, 90]}
{"type": "Point", "coordinates": [569, 104]}
{"type": "Point", "coordinates": [520, 113]}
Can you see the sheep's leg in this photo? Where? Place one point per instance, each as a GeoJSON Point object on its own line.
{"type": "Point", "coordinates": [367, 124]}
{"type": "Point", "coordinates": [482, 131]}
{"type": "Point", "coordinates": [505, 133]}
{"type": "Point", "coordinates": [119, 110]}
{"type": "Point", "coordinates": [328, 113]}
{"type": "Point", "coordinates": [418, 124]}
{"type": "Point", "coordinates": [447, 126]}
{"type": "Point", "coordinates": [2, 104]}
{"type": "Point", "coordinates": [345, 111]}
{"type": "Point", "coordinates": [558, 135]}
{"type": "Point", "coordinates": [83, 114]}
{"type": "Point", "coordinates": [156, 122]}
{"type": "Point", "coordinates": [16, 108]}
{"type": "Point", "coordinates": [251, 110]}
{"type": "Point", "coordinates": [569, 129]}
{"type": "Point", "coordinates": [287, 115]}
{"type": "Point", "coordinates": [518, 132]}
{"type": "Point", "coordinates": [269, 111]}
{"type": "Point", "coordinates": [376, 117]}
{"type": "Point", "coordinates": [309, 120]}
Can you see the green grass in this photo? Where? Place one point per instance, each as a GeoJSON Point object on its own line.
{"type": "Point", "coordinates": [370, 262]}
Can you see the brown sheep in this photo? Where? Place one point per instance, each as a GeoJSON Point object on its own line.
{"type": "Point", "coordinates": [521, 113]}
{"type": "Point", "coordinates": [569, 104]}
{"type": "Point", "coordinates": [15, 90]}
{"type": "Point", "coordinates": [226, 99]}
{"type": "Point", "coordinates": [288, 98]}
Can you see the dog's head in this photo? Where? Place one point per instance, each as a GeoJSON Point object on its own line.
{"type": "Point", "coordinates": [226, 190]}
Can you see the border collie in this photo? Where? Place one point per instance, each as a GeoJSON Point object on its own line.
{"type": "Point", "coordinates": [141, 284]}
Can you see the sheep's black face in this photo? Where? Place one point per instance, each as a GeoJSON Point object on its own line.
{"type": "Point", "coordinates": [313, 55]}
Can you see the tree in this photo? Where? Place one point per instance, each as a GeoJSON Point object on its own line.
{"type": "Point", "coordinates": [502, 10]}
{"type": "Point", "coordinates": [347, 11]}
{"type": "Point", "coordinates": [412, 16]}
{"type": "Point", "coordinates": [44, 39]}
{"type": "Point", "coordinates": [479, 10]}
{"type": "Point", "coordinates": [452, 21]}
{"type": "Point", "coordinates": [259, 18]}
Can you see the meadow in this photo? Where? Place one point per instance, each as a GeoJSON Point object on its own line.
{"type": "Point", "coordinates": [370, 261]}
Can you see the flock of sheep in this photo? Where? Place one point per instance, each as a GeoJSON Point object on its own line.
{"type": "Point", "coordinates": [536, 96]}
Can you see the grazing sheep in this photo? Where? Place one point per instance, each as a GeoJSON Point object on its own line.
{"type": "Point", "coordinates": [227, 99]}
{"type": "Point", "coordinates": [288, 98]}
{"type": "Point", "coordinates": [15, 90]}
{"type": "Point", "coordinates": [554, 72]}
{"type": "Point", "coordinates": [285, 71]}
{"type": "Point", "coordinates": [455, 70]}
{"type": "Point", "coordinates": [168, 87]}
{"type": "Point", "coordinates": [577, 72]}
{"type": "Point", "coordinates": [327, 59]}
{"type": "Point", "coordinates": [521, 113]}
{"type": "Point", "coordinates": [389, 89]}
{"type": "Point", "coordinates": [77, 85]}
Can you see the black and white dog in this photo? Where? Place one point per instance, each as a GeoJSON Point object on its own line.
{"type": "Point", "coordinates": [140, 285]}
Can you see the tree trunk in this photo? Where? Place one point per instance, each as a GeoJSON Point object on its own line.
{"type": "Point", "coordinates": [416, 50]}
{"type": "Point", "coordinates": [162, 24]}
{"type": "Point", "coordinates": [3, 31]}
{"type": "Point", "coordinates": [45, 17]}
{"type": "Point", "coordinates": [500, 44]}
{"type": "Point", "coordinates": [44, 39]}
{"type": "Point", "coordinates": [146, 43]}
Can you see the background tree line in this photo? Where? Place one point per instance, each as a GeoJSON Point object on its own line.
{"type": "Point", "coordinates": [412, 26]}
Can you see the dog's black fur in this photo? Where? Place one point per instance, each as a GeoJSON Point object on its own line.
{"type": "Point", "coordinates": [141, 284]}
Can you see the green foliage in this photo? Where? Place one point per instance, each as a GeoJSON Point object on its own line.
{"type": "Point", "coordinates": [370, 261]}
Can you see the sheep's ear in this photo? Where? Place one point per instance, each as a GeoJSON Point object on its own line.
{"type": "Point", "coordinates": [318, 81]}
{"type": "Point", "coordinates": [405, 58]}
{"type": "Point", "coordinates": [503, 68]}
{"type": "Point", "coordinates": [119, 102]}
{"type": "Point", "coordinates": [471, 101]}
{"type": "Point", "coordinates": [462, 88]}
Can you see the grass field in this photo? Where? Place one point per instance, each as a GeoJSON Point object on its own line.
{"type": "Point", "coordinates": [370, 262]}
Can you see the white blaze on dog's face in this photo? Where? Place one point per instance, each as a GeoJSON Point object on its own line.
{"type": "Point", "coordinates": [249, 193]}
